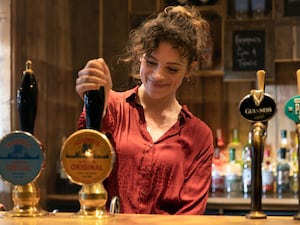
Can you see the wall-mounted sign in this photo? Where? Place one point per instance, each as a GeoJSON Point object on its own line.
{"type": "Point", "coordinates": [248, 50]}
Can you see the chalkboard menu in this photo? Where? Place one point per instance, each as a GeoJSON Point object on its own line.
{"type": "Point", "coordinates": [248, 50]}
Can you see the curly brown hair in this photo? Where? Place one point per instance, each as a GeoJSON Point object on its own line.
{"type": "Point", "coordinates": [183, 26]}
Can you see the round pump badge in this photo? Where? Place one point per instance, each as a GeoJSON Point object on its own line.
{"type": "Point", "coordinates": [262, 112]}
{"type": "Point", "coordinates": [292, 109]}
{"type": "Point", "coordinates": [87, 157]}
{"type": "Point", "coordinates": [21, 158]}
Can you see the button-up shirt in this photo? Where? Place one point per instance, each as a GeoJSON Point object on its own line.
{"type": "Point", "coordinates": [169, 176]}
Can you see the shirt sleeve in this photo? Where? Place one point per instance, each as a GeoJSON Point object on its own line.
{"type": "Point", "coordinates": [194, 193]}
{"type": "Point", "coordinates": [81, 123]}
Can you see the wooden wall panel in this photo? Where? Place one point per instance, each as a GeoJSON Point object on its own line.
{"type": "Point", "coordinates": [56, 41]}
{"type": "Point", "coordinates": [29, 43]}
{"type": "Point", "coordinates": [191, 94]}
{"type": "Point", "coordinates": [214, 107]}
{"type": "Point", "coordinates": [115, 34]}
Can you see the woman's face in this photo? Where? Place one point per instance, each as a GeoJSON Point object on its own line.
{"type": "Point", "coordinates": [162, 71]}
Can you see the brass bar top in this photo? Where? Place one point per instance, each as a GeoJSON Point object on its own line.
{"type": "Point", "coordinates": [131, 219]}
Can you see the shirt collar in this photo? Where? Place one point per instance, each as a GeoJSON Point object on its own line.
{"type": "Point", "coordinates": [131, 94]}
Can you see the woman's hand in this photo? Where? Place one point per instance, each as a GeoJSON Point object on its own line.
{"type": "Point", "coordinates": [94, 75]}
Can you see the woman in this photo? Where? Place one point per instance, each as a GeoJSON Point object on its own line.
{"type": "Point", "coordinates": [163, 152]}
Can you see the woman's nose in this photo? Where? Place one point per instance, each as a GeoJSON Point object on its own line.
{"type": "Point", "coordinates": [158, 73]}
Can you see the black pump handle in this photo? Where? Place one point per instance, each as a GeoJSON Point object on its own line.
{"type": "Point", "coordinates": [94, 106]}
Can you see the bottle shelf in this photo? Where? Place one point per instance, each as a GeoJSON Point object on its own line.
{"type": "Point", "coordinates": [270, 202]}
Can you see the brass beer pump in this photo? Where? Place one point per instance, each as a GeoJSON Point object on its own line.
{"type": "Point", "coordinates": [21, 154]}
{"type": "Point", "coordinates": [257, 107]}
{"type": "Point", "coordinates": [292, 111]}
{"type": "Point", "coordinates": [87, 158]}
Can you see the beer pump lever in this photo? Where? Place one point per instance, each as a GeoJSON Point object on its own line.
{"type": "Point", "coordinates": [22, 156]}
{"type": "Point", "coordinates": [257, 107]}
{"type": "Point", "coordinates": [87, 158]}
{"type": "Point", "coordinates": [27, 99]}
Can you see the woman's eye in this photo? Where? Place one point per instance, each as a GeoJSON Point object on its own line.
{"type": "Point", "coordinates": [173, 70]}
{"type": "Point", "coordinates": [151, 62]}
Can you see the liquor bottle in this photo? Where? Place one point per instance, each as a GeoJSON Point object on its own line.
{"type": "Point", "coordinates": [235, 143]}
{"type": "Point", "coordinates": [294, 177]}
{"type": "Point", "coordinates": [217, 181]}
{"type": "Point", "coordinates": [246, 175]}
{"type": "Point", "coordinates": [233, 174]}
{"type": "Point", "coordinates": [267, 172]}
{"type": "Point", "coordinates": [294, 163]}
{"type": "Point", "coordinates": [220, 144]}
{"type": "Point", "coordinates": [284, 143]}
{"type": "Point", "coordinates": [283, 171]}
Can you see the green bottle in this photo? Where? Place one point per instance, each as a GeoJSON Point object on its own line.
{"type": "Point", "coordinates": [233, 174]}
{"type": "Point", "coordinates": [246, 175]}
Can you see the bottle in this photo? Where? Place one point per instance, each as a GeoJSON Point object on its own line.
{"type": "Point", "coordinates": [217, 175]}
{"type": "Point", "coordinates": [294, 163]}
{"type": "Point", "coordinates": [267, 172]}
{"type": "Point", "coordinates": [294, 180]}
{"type": "Point", "coordinates": [235, 143]}
{"type": "Point", "coordinates": [220, 144]}
{"type": "Point", "coordinates": [283, 171]}
{"type": "Point", "coordinates": [284, 143]}
{"type": "Point", "coordinates": [246, 175]}
{"type": "Point", "coordinates": [233, 174]}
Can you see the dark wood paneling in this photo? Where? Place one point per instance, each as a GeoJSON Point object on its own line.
{"type": "Point", "coordinates": [59, 36]}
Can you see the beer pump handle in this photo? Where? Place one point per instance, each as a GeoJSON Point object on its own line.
{"type": "Point", "coordinates": [261, 74]}
{"type": "Point", "coordinates": [298, 80]}
{"type": "Point", "coordinates": [94, 106]}
{"type": "Point", "coordinates": [27, 99]}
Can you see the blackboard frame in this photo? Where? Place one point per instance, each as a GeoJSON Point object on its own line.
{"type": "Point", "coordinates": [265, 29]}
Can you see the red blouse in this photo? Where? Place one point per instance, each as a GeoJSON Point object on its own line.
{"type": "Point", "coordinates": [169, 176]}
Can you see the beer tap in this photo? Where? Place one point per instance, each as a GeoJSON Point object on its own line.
{"type": "Point", "coordinates": [257, 107]}
{"type": "Point", "coordinates": [87, 158]}
{"type": "Point", "coordinates": [22, 157]}
{"type": "Point", "coordinates": [292, 111]}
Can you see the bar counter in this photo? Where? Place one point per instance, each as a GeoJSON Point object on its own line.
{"type": "Point", "coordinates": [220, 204]}
{"type": "Point", "coordinates": [130, 219]}
{"type": "Point", "coordinates": [271, 203]}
